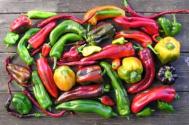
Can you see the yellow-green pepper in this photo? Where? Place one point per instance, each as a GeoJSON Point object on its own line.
{"type": "Point", "coordinates": [168, 49]}
{"type": "Point", "coordinates": [130, 70]}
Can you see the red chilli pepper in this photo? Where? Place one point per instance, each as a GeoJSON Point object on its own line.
{"type": "Point", "coordinates": [77, 63]}
{"type": "Point", "coordinates": [112, 52]}
{"type": "Point", "coordinates": [46, 48]}
{"type": "Point", "coordinates": [46, 76]}
{"type": "Point", "coordinates": [39, 38]}
{"type": "Point", "coordinates": [161, 93]}
{"type": "Point", "coordinates": [106, 100]}
{"type": "Point", "coordinates": [20, 24]}
{"type": "Point", "coordinates": [148, 63]}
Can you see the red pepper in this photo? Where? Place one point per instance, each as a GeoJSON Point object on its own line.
{"type": "Point", "coordinates": [112, 52]}
{"type": "Point", "coordinates": [161, 93]}
{"type": "Point", "coordinates": [116, 63]}
{"type": "Point", "coordinates": [46, 48]}
{"type": "Point", "coordinates": [76, 63]}
{"type": "Point", "coordinates": [148, 63]}
{"type": "Point", "coordinates": [149, 26]}
{"type": "Point", "coordinates": [20, 24]}
{"type": "Point", "coordinates": [46, 76]}
{"type": "Point", "coordinates": [106, 100]}
{"type": "Point", "coordinates": [83, 92]}
{"type": "Point", "coordinates": [39, 38]}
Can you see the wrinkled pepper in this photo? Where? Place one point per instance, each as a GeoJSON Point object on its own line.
{"type": "Point", "coordinates": [46, 76]}
{"type": "Point", "coordinates": [106, 100]}
{"type": "Point", "coordinates": [11, 39]}
{"type": "Point", "coordinates": [39, 38]}
{"type": "Point", "coordinates": [21, 103]}
{"type": "Point", "coordinates": [168, 50]}
{"type": "Point", "coordinates": [86, 75]}
{"type": "Point", "coordinates": [39, 91]}
{"type": "Point", "coordinates": [38, 14]}
{"type": "Point", "coordinates": [161, 93]}
{"type": "Point", "coordinates": [83, 92]}
{"type": "Point", "coordinates": [64, 78]}
{"type": "Point", "coordinates": [145, 112]}
{"type": "Point", "coordinates": [131, 70]}
{"type": "Point", "coordinates": [67, 26]}
{"type": "Point", "coordinates": [89, 50]}
{"type": "Point", "coordinates": [103, 12]}
{"type": "Point", "coordinates": [87, 106]}
{"type": "Point", "coordinates": [46, 48]}
{"type": "Point", "coordinates": [20, 24]}
{"type": "Point", "coordinates": [21, 47]}
{"type": "Point", "coordinates": [112, 52]}
{"type": "Point", "coordinates": [164, 106]}
{"type": "Point", "coordinates": [122, 101]}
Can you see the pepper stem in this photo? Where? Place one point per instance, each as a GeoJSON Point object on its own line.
{"type": "Point", "coordinates": [125, 3]}
{"type": "Point", "coordinates": [137, 47]}
{"type": "Point", "coordinates": [54, 63]}
{"type": "Point", "coordinates": [106, 88]}
{"type": "Point", "coordinates": [29, 46]}
{"type": "Point", "coordinates": [153, 50]}
{"type": "Point", "coordinates": [174, 18]}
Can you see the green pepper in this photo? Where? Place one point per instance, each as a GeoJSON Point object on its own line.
{"type": "Point", "coordinates": [21, 103]}
{"type": "Point", "coordinates": [58, 48]}
{"type": "Point", "coordinates": [89, 50]}
{"type": "Point", "coordinates": [131, 70]}
{"type": "Point", "coordinates": [119, 41]}
{"type": "Point", "coordinates": [37, 14]}
{"type": "Point", "coordinates": [168, 49]}
{"type": "Point", "coordinates": [11, 38]}
{"type": "Point", "coordinates": [22, 49]}
{"type": "Point", "coordinates": [39, 91]}
{"type": "Point", "coordinates": [145, 112]}
{"type": "Point", "coordinates": [165, 106]}
{"type": "Point", "coordinates": [67, 26]}
{"type": "Point", "coordinates": [87, 106]}
{"type": "Point", "coordinates": [176, 27]}
{"type": "Point", "coordinates": [122, 101]}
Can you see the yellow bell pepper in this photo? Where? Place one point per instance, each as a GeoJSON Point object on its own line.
{"type": "Point", "coordinates": [168, 49]}
{"type": "Point", "coordinates": [64, 78]}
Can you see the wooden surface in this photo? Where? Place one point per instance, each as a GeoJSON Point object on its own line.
{"type": "Point", "coordinates": [9, 9]}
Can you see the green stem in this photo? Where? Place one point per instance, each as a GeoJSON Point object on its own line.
{"type": "Point", "coordinates": [125, 3]}
{"type": "Point", "coordinates": [137, 47]}
{"type": "Point", "coordinates": [54, 63]}
{"type": "Point", "coordinates": [174, 18]}
{"type": "Point", "coordinates": [150, 47]}
{"type": "Point", "coordinates": [29, 46]}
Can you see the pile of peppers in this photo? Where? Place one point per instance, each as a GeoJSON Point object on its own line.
{"type": "Point", "coordinates": [88, 65]}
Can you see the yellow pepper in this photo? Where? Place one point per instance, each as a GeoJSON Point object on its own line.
{"type": "Point", "coordinates": [64, 78]}
{"type": "Point", "coordinates": [168, 49]}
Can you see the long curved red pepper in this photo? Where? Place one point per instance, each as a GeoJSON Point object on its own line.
{"type": "Point", "coordinates": [46, 76]}
{"type": "Point", "coordinates": [39, 38]}
{"type": "Point", "coordinates": [112, 52]}
{"type": "Point", "coordinates": [162, 93]}
{"type": "Point", "coordinates": [46, 48]}
{"type": "Point", "coordinates": [148, 63]}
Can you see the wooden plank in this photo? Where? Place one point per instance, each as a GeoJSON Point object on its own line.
{"type": "Point", "coordinates": [180, 85]}
{"type": "Point", "coordinates": [8, 6]}
{"type": "Point", "coordinates": [179, 117]}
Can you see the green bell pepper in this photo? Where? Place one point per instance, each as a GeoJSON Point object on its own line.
{"type": "Point", "coordinates": [11, 38]}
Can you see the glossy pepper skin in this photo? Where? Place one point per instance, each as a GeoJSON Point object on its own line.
{"type": "Point", "coordinates": [39, 38]}
{"type": "Point", "coordinates": [20, 24]}
{"type": "Point", "coordinates": [20, 74]}
{"type": "Point", "coordinates": [167, 74]}
{"type": "Point", "coordinates": [88, 74]}
{"type": "Point", "coordinates": [46, 48]}
{"type": "Point", "coordinates": [145, 112]}
{"type": "Point", "coordinates": [84, 92]}
{"type": "Point", "coordinates": [116, 63]}
{"type": "Point", "coordinates": [122, 101]}
{"type": "Point", "coordinates": [106, 100]}
{"type": "Point", "coordinates": [38, 14]}
{"type": "Point", "coordinates": [168, 49]}
{"type": "Point", "coordinates": [101, 33]}
{"type": "Point", "coordinates": [21, 103]}
{"type": "Point", "coordinates": [67, 26]}
{"type": "Point", "coordinates": [131, 70]}
{"type": "Point", "coordinates": [148, 64]}
{"type": "Point", "coordinates": [46, 76]}
{"type": "Point", "coordinates": [87, 106]}
{"type": "Point", "coordinates": [103, 12]}
{"type": "Point", "coordinates": [58, 48]}
{"type": "Point", "coordinates": [11, 38]}
{"type": "Point", "coordinates": [64, 78]}
{"type": "Point", "coordinates": [112, 52]}
{"type": "Point", "coordinates": [162, 93]}
{"type": "Point", "coordinates": [39, 91]}
{"type": "Point", "coordinates": [21, 47]}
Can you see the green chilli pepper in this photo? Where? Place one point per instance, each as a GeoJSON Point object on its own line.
{"type": "Point", "coordinates": [39, 91]}
{"type": "Point", "coordinates": [21, 103]}
{"type": "Point", "coordinates": [165, 106]}
{"type": "Point", "coordinates": [176, 27]}
{"type": "Point", "coordinates": [119, 41]}
{"type": "Point", "coordinates": [22, 49]}
{"type": "Point", "coordinates": [11, 38]}
{"type": "Point", "coordinates": [37, 14]}
{"type": "Point", "coordinates": [58, 48]}
{"type": "Point", "coordinates": [145, 112]}
{"type": "Point", "coordinates": [87, 106]}
{"type": "Point", "coordinates": [67, 26]}
{"type": "Point", "coordinates": [89, 50]}
{"type": "Point", "coordinates": [123, 105]}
